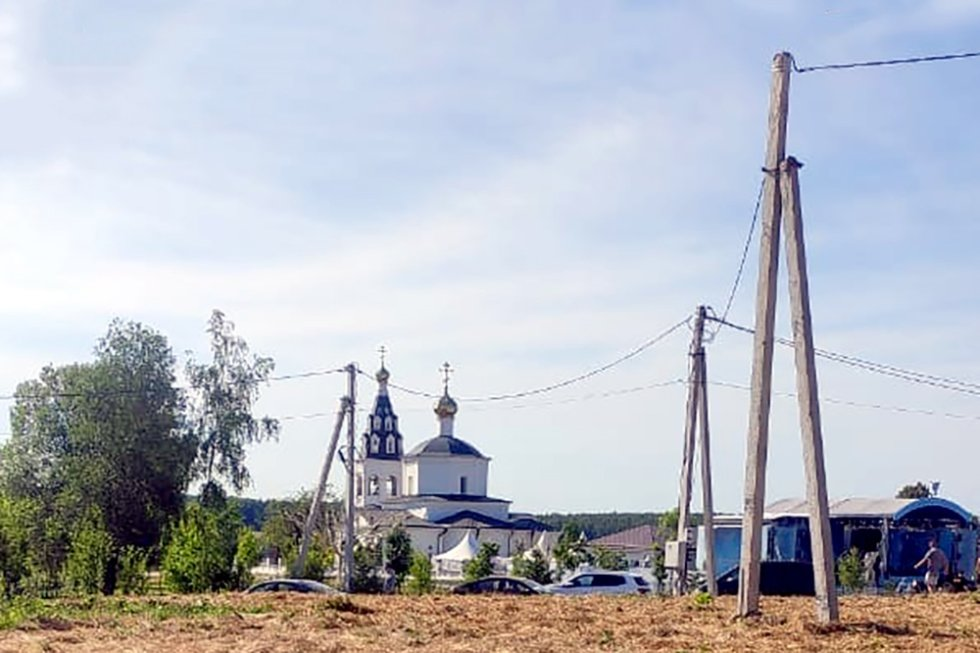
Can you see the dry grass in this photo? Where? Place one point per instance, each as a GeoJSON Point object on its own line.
{"type": "Point", "coordinates": [300, 624]}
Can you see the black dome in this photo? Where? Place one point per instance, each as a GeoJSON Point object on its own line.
{"type": "Point", "coordinates": [445, 444]}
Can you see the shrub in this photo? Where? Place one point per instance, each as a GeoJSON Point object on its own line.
{"type": "Point", "coordinates": [419, 579]}
{"type": "Point", "coordinates": [131, 577]}
{"type": "Point", "coordinates": [850, 571]}
{"type": "Point", "coordinates": [90, 559]}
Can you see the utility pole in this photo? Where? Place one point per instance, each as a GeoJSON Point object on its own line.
{"type": "Point", "coordinates": [821, 543]}
{"type": "Point", "coordinates": [765, 317]}
{"type": "Point", "coordinates": [351, 460]}
{"type": "Point", "coordinates": [310, 524]}
{"type": "Point", "coordinates": [782, 202]}
{"type": "Point", "coordinates": [707, 499]}
{"type": "Point", "coordinates": [687, 465]}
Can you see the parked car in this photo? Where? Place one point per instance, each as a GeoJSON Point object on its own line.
{"type": "Point", "coordinates": [601, 582]}
{"type": "Point", "coordinates": [776, 578]}
{"type": "Point", "coordinates": [300, 585]}
{"type": "Point", "coordinates": [500, 585]}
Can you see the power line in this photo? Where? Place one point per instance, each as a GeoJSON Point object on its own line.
{"type": "Point", "coordinates": [884, 62]}
{"type": "Point", "coordinates": [942, 382]}
{"type": "Point", "coordinates": [745, 250]}
{"type": "Point", "coordinates": [149, 391]}
{"type": "Point", "coordinates": [554, 386]}
{"type": "Point", "coordinates": [858, 404]}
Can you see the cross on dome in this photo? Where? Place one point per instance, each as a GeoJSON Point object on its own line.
{"type": "Point", "coordinates": [446, 371]}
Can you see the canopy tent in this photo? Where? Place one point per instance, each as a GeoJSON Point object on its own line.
{"type": "Point", "coordinates": [450, 563]}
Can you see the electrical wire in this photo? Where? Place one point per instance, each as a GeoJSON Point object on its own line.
{"type": "Point", "coordinates": [884, 62]}
{"type": "Point", "coordinates": [858, 404]}
{"type": "Point", "coordinates": [554, 386]}
{"type": "Point", "coordinates": [745, 250]}
{"type": "Point", "coordinates": [942, 382]}
{"type": "Point", "coordinates": [145, 391]}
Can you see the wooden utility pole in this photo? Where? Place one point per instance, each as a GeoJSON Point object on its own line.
{"type": "Point", "coordinates": [782, 202]}
{"type": "Point", "coordinates": [687, 464]}
{"type": "Point", "coordinates": [821, 543]}
{"type": "Point", "coordinates": [310, 524]}
{"type": "Point", "coordinates": [351, 462]}
{"type": "Point", "coordinates": [707, 499]}
{"type": "Point", "coordinates": [765, 317]}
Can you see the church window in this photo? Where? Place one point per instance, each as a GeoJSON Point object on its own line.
{"type": "Point", "coordinates": [373, 486]}
{"type": "Point", "coordinates": [390, 444]}
{"type": "Point", "coordinates": [377, 422]}
{"type": "Point", "coordinates": [388, 423]}
{"type": "Point", "coordinates": [360, 485]}
{"type": "Point", "coordinates": [392, 487]}
{"type": "Point", "coordinates": [462, 485]}
{"type": "Point", "coordinates": [411, 485]}
{"type": "Point", "coordinates": [375, 444]}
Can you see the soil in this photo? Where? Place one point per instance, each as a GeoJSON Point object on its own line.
{"type": "Point", "coordinates": [301, 624]}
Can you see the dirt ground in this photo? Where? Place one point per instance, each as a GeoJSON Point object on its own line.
{"type": "Point", "coordinates": [301, 624]}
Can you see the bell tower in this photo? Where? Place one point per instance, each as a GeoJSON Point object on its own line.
{"type": "Point", "coordinates": [379, 470]}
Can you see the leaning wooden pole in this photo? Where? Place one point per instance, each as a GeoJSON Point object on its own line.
{"type": "Point", "coordinates": [687, 464]}
{"type": "Point", "coordinates": [765, 316]}
{"type": "Point", "coordinates": [707, 496]}
{"type": "Point", "coordinates": [821, 544]}
{"type": "Point", "coordinates": [310, 525]}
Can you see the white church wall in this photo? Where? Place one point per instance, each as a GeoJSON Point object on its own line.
{"type": "Point", "coordinates": [442, 474]}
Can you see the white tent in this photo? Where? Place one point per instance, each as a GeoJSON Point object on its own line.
{"type": "Point", "coordinates": [450, 563]}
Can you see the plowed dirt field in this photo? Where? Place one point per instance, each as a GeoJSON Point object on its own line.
{"type": "Point", "coordinates": [299, 624]}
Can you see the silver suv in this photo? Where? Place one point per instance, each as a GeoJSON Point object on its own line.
{"type": "Point", "coordinates": [601, 582]}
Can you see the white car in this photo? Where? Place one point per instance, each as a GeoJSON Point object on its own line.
{"type": "Point", "coordinates": [601, 582]}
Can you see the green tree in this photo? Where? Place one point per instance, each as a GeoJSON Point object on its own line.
{"type": "Point", "coordinates": [367, 565]}
{"type": "Point", "coordinates": [224, 392]}
{"type": "Point", "coordinates": [105, 434]}
{"type": "Point", "coordinates": [667, 523]}
{"type": "Point", "coordinates": [247, 554]}
{"type": "Point", "coordinates": [571, 550]}
{"type": "Point", "coordinates": [15, 542]}
{"type": "Point", "coordinates": [608, 559]}
{"type": "Point", "coordinates": [532, 565]}
{"type": "Point", "coordinates": [398, 552]}
{"type": "Point", "coordinates": [91, 558]}
{"type": "Point", "coordinates": [419, 575]}
{"type": "Point", "coordinates": [282, 530]}
{"type": "Point", "coordinates": [917, 490]}
{"type": "Point", "coordinates": [200, 556]}
{"type": "Point", "coordinates": [482, 564]}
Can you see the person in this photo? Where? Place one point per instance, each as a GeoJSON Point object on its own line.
{"type": "Point", "coordinates": [936, 564]}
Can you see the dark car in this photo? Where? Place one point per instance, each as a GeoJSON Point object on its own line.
{"type": "Point", "coordinates": [776, 578]}
{"type": "Point", "coordinates": [499, 585]}
{"type": "Point", "coordinates": [300, 585]}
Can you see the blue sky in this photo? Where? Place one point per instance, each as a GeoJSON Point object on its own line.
{"type": "Point", "coordinates": [528, 190]}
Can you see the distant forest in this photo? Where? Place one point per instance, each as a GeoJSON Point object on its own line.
{"type": "Point", "coordinates": [593, 524]}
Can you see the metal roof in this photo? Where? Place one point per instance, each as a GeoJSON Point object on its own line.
{"type": "Point", "coordinates": [864, 507]}
{"type": "Point", "coordinates": [444, 445]}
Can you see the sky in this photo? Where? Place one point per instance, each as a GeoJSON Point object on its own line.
{"type": "Point", "coordinates": [528, 190]}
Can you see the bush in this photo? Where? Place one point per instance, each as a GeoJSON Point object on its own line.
{"type": "Point", "coordinates": [482, 564]}
{"type": "Point", "coordinates": [131, 577]}
{"type": "Point", "coordinates": [201, 554]}
{"type": "Point", "coordinates": [419, 579]}
{"type": "Point", "coordinates": [367, 563]}
{"type": "Point", "coordinates": [90, 559]}
{"type": "Point", "coordinates": [533, 566]}
{"type": "Point", "coordinates": [850, 571]}
{"type": "Point", "coordinates": [248, 552]}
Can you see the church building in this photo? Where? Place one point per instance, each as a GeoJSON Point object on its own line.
{"type": "Point", "coordinates": [438, 491]}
